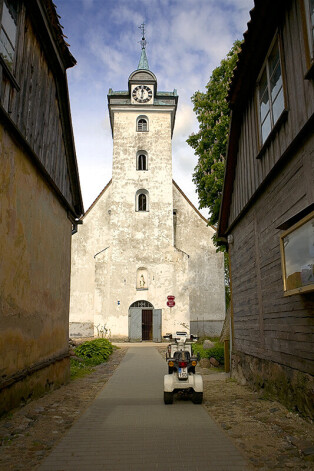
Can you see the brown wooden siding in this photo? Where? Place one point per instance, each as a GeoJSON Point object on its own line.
{"type": "Point", "coordinates": [35, 110]}
{"type": "Point", "coordinates": [267, 324]}
{"type": "Point", "coordinates": [250, 171]}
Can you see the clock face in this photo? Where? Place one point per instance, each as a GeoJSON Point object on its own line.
{"type": "Point", "coordinates": [142, 94]}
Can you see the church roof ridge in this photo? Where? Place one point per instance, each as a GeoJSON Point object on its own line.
{"type": "Point", "coordinates": [95, 200]}
{"type": "Point", "coordinates": [191, 204]}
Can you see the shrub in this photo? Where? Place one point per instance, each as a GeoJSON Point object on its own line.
{"type": "Point", "coordinates": [95, 351]}
{"type": "Point", "coordinates": [197, 348]}
{"type": "Point", "coordinates": [217, 352]}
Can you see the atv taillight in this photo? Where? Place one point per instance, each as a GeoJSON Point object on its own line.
{"type": "Point", "coordinates": [183, 364]}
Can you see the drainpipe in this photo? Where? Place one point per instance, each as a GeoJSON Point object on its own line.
{"type": "Point", "coordinates": [75, 224]}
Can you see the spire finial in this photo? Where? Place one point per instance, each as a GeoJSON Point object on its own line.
{"type": "Point", "coordinates": [143, 40]}
{"type": "Point", "coordinates": [143, 64]}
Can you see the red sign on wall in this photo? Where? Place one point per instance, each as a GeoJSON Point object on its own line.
{"type": "Point", "coordinates": [171, 303]}
{"type": "Point", "coordinates": [171, 298]}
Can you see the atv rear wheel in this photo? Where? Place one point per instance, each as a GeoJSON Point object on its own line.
{"type": "Point", "coordinates": [168, 397]}
{"type": "Point", "coordinates": [197, 397]}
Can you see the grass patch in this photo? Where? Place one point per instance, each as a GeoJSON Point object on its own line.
{"type": "Point", "coordinates": [90, 353]}
{"type": "Point", "coordinates": [79, 369]}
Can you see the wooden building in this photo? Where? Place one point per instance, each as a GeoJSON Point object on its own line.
{"type": "Point", "coordinates": [267, 216]}
{"type": "Point", "coordinates": [40, 200]}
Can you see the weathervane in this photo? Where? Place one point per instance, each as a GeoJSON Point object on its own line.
{"type": "Point", "coordinates": [143, 40]}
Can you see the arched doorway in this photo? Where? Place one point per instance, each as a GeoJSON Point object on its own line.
{"type": "Point", "coordinates": [144, 322]}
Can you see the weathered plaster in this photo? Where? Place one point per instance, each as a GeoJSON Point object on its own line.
{"type": "Point", "coordinates": [34, 265]}
{"type": "Point", "coordinates": [115, 240]}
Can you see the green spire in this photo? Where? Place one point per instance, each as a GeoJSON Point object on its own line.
{"type": "Point", "coordinates": [143, 63]}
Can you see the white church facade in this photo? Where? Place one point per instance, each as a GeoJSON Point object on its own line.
{"type": "Point", "coordinates": [143, 261]}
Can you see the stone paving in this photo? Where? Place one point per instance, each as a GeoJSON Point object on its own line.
{"type": "Point", "coordinates": [128, 427]}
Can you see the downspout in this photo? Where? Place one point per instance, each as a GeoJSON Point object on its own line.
{"type": "Point", "coordinates": [231, 311]}
{"type": "Point", "coordinates": [75, 224]}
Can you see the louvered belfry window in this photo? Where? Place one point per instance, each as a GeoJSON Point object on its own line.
{"type": "Point", "coordinates": [142, 125]}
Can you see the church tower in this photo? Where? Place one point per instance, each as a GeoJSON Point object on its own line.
{"type": "Point", "coordinates": [142, 121]}
{"type": "Point", "coordinates": [143, 262]}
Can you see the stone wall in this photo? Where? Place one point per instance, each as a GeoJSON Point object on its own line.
{"type": "Point", "coordinates": [293, 388]}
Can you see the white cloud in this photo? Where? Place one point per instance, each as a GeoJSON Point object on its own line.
{"type": "Point", "coordinates": [187, 39]}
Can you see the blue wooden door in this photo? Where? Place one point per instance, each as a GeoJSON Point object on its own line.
{"type": "Point", "coordinates": [157, 325]}
{"type": "Point", "coordinates": [135, 324]}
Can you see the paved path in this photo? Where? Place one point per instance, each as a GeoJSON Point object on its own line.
{"type": "Point", "coordinates": [129, 428]}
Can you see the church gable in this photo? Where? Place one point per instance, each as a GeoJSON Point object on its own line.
{"type": "Point", "coordinates": [190, 225]}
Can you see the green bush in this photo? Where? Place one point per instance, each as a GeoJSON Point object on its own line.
{"type": "Point", "coordinates": [198, 348]}
{"type": "Point", "coordinates": [94, 352]}
{"type": "Point", "coordinates": [216, 352]}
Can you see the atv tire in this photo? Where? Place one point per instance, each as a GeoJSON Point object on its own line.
{"type": "Point", "coordinates": [168, 397]}
{"type": "Point", "coordinates": [197, 398]}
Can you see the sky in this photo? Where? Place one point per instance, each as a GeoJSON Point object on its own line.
{"type": "Point", "coordinates": [186, 40]}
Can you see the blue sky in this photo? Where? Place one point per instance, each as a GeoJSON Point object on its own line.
{"type": "Point", "coordinates": [186, 39]}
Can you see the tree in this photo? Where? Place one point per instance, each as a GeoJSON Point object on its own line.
{"type": "Point", "coordinates": [210, 143]}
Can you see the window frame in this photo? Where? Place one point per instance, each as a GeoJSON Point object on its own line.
{"type": "Point", "coordinates": [265, 67]}
{"type": "Point", "coordinates": [14, 73]}
{"type": "Point", "coordinates": [138, 155]}
{"type": "Point", "coordinates": [308, 38]}
{"type": "Point", "coordinates": [137, 197]}
{"type": "Point", "coordinates": [15, 45]}
{"type": "Point", "coordinates": [138, 119]}
{"type": "Point", "coordinates": [297, 225]}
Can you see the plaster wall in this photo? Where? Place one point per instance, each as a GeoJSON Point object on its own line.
{"type": "Point", "coordinates": [90, 246]}
{"type": "Point", "coordinates": [116, 242]}
{"type": "Point", "coordinates": [143, 239]}
{"type": "Point", "coordinates": [35, 236]}
{"type": "Point", "coordinates": [206, 268]}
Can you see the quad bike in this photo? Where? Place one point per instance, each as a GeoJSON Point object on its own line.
{"type": "Point", "coordinates": [181, 377]}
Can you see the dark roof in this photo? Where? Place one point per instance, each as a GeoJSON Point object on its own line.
{"type": "Point", "coordinates": [57, 31]}
{"type": "Point", "coordinates": [265, 18]}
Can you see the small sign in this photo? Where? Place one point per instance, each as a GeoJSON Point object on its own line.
{"type": "Point", "coordinates": [171, 303]}
{"type": "Point", "coordinates": [171, 298]}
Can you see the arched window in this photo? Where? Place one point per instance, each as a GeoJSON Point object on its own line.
{"type": "Point", "coordinates": [142, 304]}
{"type": "Point", "coordinates": [141, 200]}
{"type": "Point", "coordinates": [142, 123]}
{"type": "Point", "coordinates": [141, 160]}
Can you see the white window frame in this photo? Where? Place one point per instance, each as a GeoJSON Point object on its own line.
{"type": "Point", "coordinates": [273, 122]}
